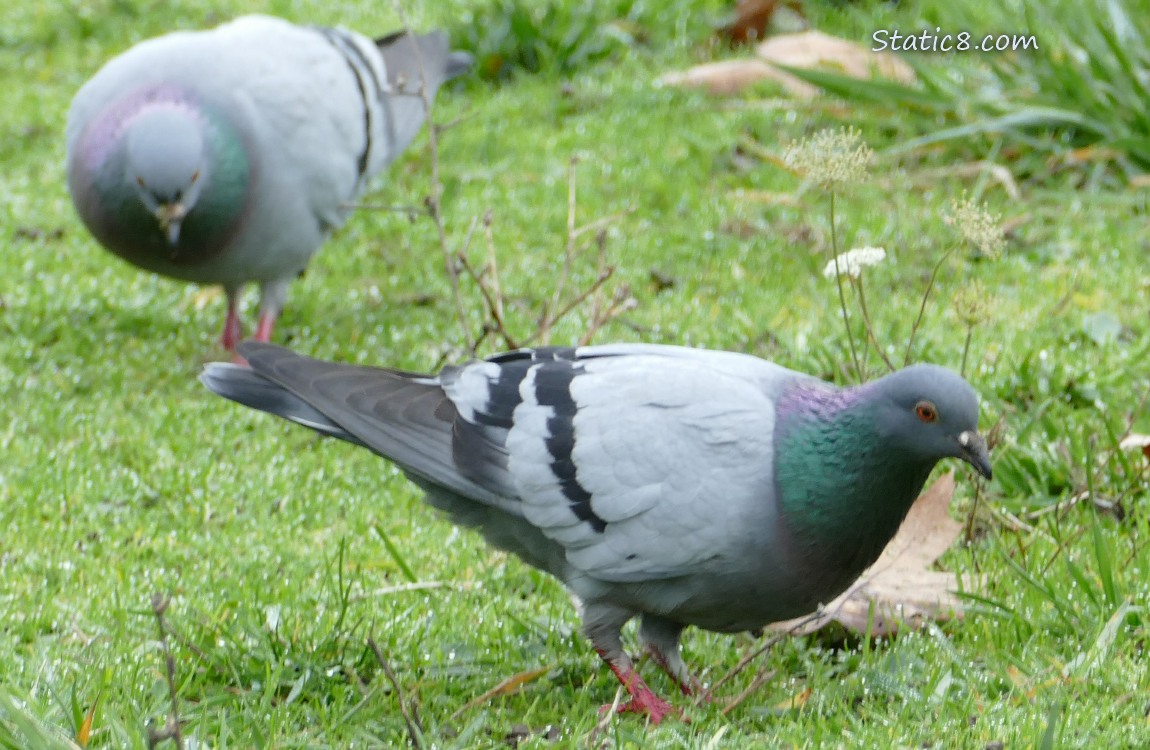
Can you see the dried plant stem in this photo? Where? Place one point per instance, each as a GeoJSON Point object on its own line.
{"type": "Point", "coordinates": [842, 294]}
{"type": "Point", "coordinates": [922, 305]}
{"type": "Point", "coordinates": [406, 708]}
{"type": "Point", "coordinates": [171, 728]}
{"type": "Point", "coordinates": [761, 649]}
{"type": "Point", "coordinates": [568, 248]}
{"type": "Point", "coordinates": [544, 333]}
{"type": "Point", "coordinates": [434, 198]}
{"type": "Point", "coordinates": [620, 302]}
{"type": "Point", "coordinates": [493, 262]}
{"type": "Point", "coordinates": [488, 282]}
{"type": "Point", "coordinates": [761, 679]}
{"type": "Point", "coordinates": [869, 328]}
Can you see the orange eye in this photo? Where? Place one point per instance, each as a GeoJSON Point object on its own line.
{"type": "Point", "coordinates": [925, 411]}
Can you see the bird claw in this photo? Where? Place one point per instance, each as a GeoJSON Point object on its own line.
{"type": "Point", "coordinates": [655, 708]}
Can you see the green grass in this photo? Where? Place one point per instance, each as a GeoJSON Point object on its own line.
{"type": "Point", "coordinates": [121, 477]}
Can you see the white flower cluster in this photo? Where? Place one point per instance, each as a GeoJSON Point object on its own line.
{"type": "Point", "coordinates": [852, 262]}
{"type": "Point", "coordinates": [831, 158]}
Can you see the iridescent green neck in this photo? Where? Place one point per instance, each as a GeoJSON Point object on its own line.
{"type": "Point", "coordinates": [116, 215]}
{"type": "Point", "coordinates": [842, 489]}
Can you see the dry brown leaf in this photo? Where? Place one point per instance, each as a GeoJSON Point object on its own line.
{"type": "Point", "coordinates": [900, 585]}
{"type": "Point", "coordinates": [805, 49]}
{"type": "Point", "coordinates": [1136, 441]}
{"type": "Point", "coordinates": [814, 49]}
{"type": "Point", "coordinates": [796, 701]}
{"type": "Point", "coordinates": [721, 78]}
{"type": "Point", "coordinates": [752, 17]}
{"type": "Point", "coordinates": [506, 687]}
{"type": "Point", "coordinates": [84, 733]}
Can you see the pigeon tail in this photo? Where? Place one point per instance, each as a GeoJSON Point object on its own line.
{"type": "Point", "coordinates": [245, 386]}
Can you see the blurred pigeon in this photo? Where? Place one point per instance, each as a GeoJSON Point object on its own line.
{"type": "Point", "coordinates": [228, 156]}
{"type": "Point", "coordinates": [682, 486]}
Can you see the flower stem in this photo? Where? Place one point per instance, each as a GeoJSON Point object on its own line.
{"type": "Point", "coordinates": [922, 305]}
{"type": "Point", "coordinates": [869, 328]}
{"type": "Point", "coordinates": [842, 294]}
{"type": "Point", "coordinates": [966, 350]}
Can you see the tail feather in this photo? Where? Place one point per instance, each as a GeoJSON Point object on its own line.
{"type": "Point", "coordinates": [402, 416]}
{"type": "Point", "coordinates": [245, 386]}
{"type": "Point", "coordinates": [409, 59]}
{"type": "Point", "coordinates": [405, 54]}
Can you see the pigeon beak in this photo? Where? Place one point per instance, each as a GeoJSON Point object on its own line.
{"type": "Point", "coordinates": [975, 453]}
{"type": "Point", "coordinates": [171, 216]}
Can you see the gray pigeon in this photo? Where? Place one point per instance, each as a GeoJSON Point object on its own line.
{"type": "Point", "coordinates": [228, 156]}
{"type": "Point", "coordinates": [682, 486]}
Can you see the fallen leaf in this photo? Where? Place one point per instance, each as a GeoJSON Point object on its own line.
{"type": "Point", "coordinates": [506, 687]}
{"type": "Point", "coordinates": [814, 49]}
{"type": "Point", "coordinates": [1134, 441]}
{"type": "Point", "coordinates": [722, 78]}
{"type": "Point", "coordinates": [84, 733]}
{"type": "Point", "coordinates": [795, 701]}
{"type": "Point", "coordinates": [900, 586]}
{"type": "Point", "coordinates": [805, 49]}
{"type": "Point", "coordinates": [752, 17]}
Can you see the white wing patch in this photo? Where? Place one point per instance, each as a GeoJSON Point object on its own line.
{"type": "Point", "coordinates": [529, 462]}
{"type": "Point", "coordinates": [468, 386]}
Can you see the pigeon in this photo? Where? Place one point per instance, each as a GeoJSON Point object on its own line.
{"type": "Point", "coordinates": [681, 486]}
{"type": "Point", "coordinates": [228, 156]}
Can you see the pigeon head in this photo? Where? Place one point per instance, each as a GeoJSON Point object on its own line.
{"type": "Point", "coordinates": [167, 163]}
{"type": "Point", "coordinates": [850, 463]}
{"type": "Point", "coordinates": [929, 413]}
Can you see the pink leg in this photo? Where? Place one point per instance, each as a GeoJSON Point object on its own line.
{"type": "Point", "coordinates": [233, 329]}
{"type": "Point", "coordinates": [264, 328]}
{"type": "Point", "coordinates": [690, 687]}
{"type": "Point", "coordinates": [643, 701]}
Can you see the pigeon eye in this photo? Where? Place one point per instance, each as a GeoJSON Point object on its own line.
{"type": "Point", "coordinates": [926, 411]}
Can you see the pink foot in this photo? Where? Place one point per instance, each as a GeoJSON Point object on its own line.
{"type": "Point", "coordinates": [264, 327]}
{"type": "Point", "coordinates": [643, 701]}
{"type": "Point", "coordinates": [233, 329]}
{"type": "Point", "coordinates": [691, 687]}
{"type": "Point", "coordinates": [647, 703]}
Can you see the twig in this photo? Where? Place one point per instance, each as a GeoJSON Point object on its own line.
{"type": "Point", "coordinates": [763, 648]}
{"type": "Point", "coordinates": [760, 679]}
{"type": "Point", "coordinates": [433, 201]}
{"type": "Point", "coordinates": [401, 588]}
{"type": "Point", "coordinates": [171, 728]}
{"type": "Point", "coordinates": [603, 221]}
{"type": "Point", "coordinates": [493, 296]}
{"type": "Point", "coordinates": [544, 332]}
{"type": "Point", "coordinates": [493, 260]}
{"type": "Point", "coordinates": [568, 250]}
{"type": "Point", "coordinates": [606, 713]}
{"type": "Point", "coordinates": [409, 711]}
